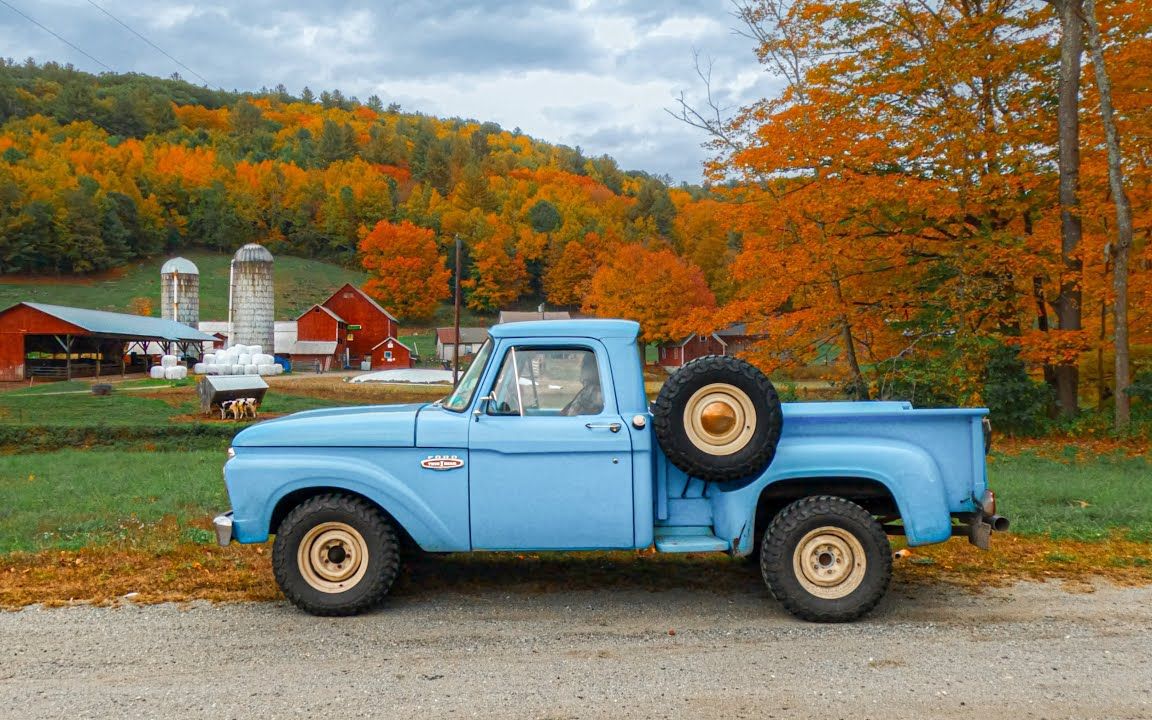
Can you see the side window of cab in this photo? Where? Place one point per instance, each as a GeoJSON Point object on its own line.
{"type": "Point", "coordinates": [548, 381]}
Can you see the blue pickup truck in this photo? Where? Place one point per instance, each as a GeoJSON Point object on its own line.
{"type": "Point", "coordinates": [550, 443]}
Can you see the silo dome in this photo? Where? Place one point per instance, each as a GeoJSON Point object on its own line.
{"type": "Point", "coordinates": [180, 291]}
{"type": "Point", "coordinates": [184, 266]}
{"type": "Point", "coordinates": [253, 252]}
{"type": "Point", "coordinates": [252, 298]}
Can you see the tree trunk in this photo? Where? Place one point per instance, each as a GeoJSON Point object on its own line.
{"type": "Point", "coordinates": [861, 385]}
{"type": "Point", "coordinates": [1068, 120]}
{"type": "Point", "coordinates": [1121, 248]}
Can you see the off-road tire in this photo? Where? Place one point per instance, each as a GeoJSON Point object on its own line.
{"type": "Point", "coordinates": [743, 380]}
{"type": "Point", "coordinates": [364, 520]}
{"type": "Point", "coordinates": [779, 553]}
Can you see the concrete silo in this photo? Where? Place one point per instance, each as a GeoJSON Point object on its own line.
{"type": "Point", "coordinates": [251, 298]}
{"type": "Point", "coordinates": [180, 291]}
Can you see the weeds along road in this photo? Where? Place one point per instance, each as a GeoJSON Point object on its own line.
{"type": "Point", "coordinates": [1031, 651]}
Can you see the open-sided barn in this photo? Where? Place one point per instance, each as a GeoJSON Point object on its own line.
{"type": "Point", "coordinates": [59, 341]}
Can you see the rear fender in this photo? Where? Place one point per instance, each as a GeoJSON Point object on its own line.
{"type": "Point", "coordinates": [909, 474]}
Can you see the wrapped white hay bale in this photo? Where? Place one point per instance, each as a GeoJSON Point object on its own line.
{"type": "Point", "coordinates": [256, 349]}
{"type": "Point", "coordinates": [267, 368]}
{"type": "Point", "coordinates": [245, 359]}
{"type": "Point", "coordinates": [251, 370]}
{"type": "Point", "coordinates": [199, 368]}
{"type": "Point", "coordinates": [156, 372]}
{"type": "Point", "coordinates": [170, 373]}
{"type": "Point", "coordinates": [169, 361]}
{"type": "Point", "coordinates": [209, 358]}
{"type": "Point", "coordinates": [181, 372]}
{"type": "Point", "coordinates": [262, 359]}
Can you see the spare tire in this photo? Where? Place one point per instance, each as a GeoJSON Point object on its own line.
{"type": "Point", "coordinates": [718, 418]}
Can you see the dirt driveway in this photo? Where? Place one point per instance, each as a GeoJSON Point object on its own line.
{"type": "Point", "coordinates": [1030, 651]}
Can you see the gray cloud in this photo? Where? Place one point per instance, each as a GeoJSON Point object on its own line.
{"type": "Point", "coordinates": [593, 73]}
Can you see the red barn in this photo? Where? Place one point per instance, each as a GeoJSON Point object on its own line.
{"type": "Point", "coordinates": [366, 324]}
{"type": "Point", "coordinates": [676, 355]}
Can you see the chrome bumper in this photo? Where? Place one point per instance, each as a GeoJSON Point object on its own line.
{"type": "Point", "coordinates": [223, 525]}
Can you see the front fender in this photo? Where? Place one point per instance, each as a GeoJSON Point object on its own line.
{"type": "Point", "coordinates": [907, 471]}
{"type": "Point", "coordinates": [433, 510]}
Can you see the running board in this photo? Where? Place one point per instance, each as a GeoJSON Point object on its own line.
{"type": "Point", "coordinates": [688, 540]}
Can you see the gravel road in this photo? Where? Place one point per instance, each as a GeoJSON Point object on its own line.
{"type": "Point", "coordinates": [1030, 651]}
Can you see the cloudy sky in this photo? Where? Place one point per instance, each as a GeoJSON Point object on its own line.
{"type": "Point", "coordinates": [594, 73]}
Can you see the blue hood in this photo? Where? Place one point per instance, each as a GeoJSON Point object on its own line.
{"type": "Point", "coordinates": [366, 426]}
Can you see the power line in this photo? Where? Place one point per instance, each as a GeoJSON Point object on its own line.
{"type": "Point", "coordinates": [53, 34]}
{"type": "Point", "coordinates": [157, 47]}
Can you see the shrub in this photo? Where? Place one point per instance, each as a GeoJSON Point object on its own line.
{"type": "Point", "coordinates": [1017, 403]}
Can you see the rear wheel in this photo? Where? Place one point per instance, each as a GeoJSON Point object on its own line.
{"type": "Point", "coordinates": [826, 559]}
{"type": "Point", "coordinates": [335, 554]}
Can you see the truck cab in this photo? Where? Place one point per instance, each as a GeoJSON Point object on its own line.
{"type": "Point", "coordinates": [549, 442]}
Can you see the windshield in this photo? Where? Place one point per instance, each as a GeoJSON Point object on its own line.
{"type": "Point", "coordinates": [461, 397]}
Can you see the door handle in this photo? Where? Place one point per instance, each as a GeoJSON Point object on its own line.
{"type": "Point", "coordinates": [614, 427]}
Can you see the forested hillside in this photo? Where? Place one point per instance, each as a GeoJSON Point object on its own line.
{"type": "Point", "coordinates": [100, 170]}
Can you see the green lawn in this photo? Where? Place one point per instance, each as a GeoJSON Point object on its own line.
{"type": "Point", "coordinates": [1085, 500]}
{"type": "Point", "coordinates": [299, 283]}
{"type": "Point", "coordinates": [70, 498]}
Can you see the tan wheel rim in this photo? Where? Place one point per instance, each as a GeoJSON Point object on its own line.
{"type": "Point", "coordinates": [829, 562]}
{"type": "Point", "coordinates": [720, 419]}
{"type": "Point", "coordinates": [332, 557]}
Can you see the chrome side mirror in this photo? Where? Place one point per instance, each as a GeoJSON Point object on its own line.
{"type": "Point", "coordinates": [482, 406]}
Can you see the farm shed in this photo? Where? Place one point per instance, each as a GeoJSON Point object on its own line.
{"type": "Point", "coordinates": [58, 341]}
{"type": "Point", "coordinates": [471, 338]}
{"type": "Point", "coordinates": [391, 354]}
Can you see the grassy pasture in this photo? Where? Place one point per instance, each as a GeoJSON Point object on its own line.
{"type": "Point", "coordinates": [73, 498]}
{"type": "Point", "coordinates": [299, 283]}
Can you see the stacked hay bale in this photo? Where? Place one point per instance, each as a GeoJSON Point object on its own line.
{"type": "Point", "coordinates": [239, 360]}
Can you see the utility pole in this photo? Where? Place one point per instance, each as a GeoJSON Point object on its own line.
{"type": "Point", "coordinates": [456, 322]}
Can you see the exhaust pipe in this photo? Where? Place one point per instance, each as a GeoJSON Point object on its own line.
{"type": "Point", "coordinates": [999, 523]}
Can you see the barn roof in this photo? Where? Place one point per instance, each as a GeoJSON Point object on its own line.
{"type": "Point", "coordinates": [364, 295]}
{"type": "Point", "coordinates": [100, 322]}
{"type": "Point", "coordinates": [409, 349]}
{"type": "Point", "coordinates": [336, 317]}
{"type": "Point", "coordinates": [715, 335]}
{"type": "Point", "coordinates": [468, 335]}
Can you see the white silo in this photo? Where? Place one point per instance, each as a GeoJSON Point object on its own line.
{"type": "Point", "coordinates": [251, 298]}
{"type": "Point", "coordinates": [180, 291]}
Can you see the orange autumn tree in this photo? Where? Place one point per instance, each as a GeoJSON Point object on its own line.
{"type": "Point", "coordinates": [408, 273]}
{"type": "Point", "coordinates": [667, 295]}
{"type": "Point", "coordinates": [890, 214]}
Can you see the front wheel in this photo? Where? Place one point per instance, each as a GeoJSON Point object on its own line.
{"type": "Point", "coordinates": [826, 559]}
{"type": "Point", "coordinates": [335, 555]}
